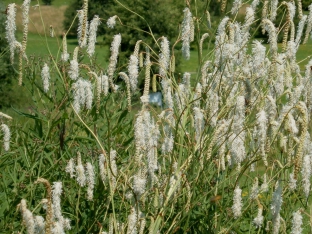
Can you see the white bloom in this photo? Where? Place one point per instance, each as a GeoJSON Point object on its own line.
{"type": "Point", "coordinates": [92, 34]}
{"type": "Point", "coordinates": [58, 228]}
{"type": "Point", "coordinates": [113, 165]}
{"type": "Point", "coordinates": [25, 21]}
{"type": "Point", "coordinates": [83, 94]}
{"type": "Point", "coordinates": [64, 55]}
{"type": "Point", "coordinates": [197, 95]}
{"type": "Point", "coordinates": [28, 217]}
{"type": "Point", "coordinates": [139, 183]}
{"type": "Point", "coordinates": [73, 70]}
{"type": "Point", "coordinates": [45, 75]}
{"type": "Point", "coordinates": [56, 200]}
{"type": "Point", "coordinates": [114, 55]}
{"type": "Point", "coordinates": [187, 80]}
{"type": "Point", "coordinates": [164, 57]}
{"type": "Point", "coordinates": [103, 172]}
{"type": "Point", "coordinates": [300, 29]}
{"type": "Point", "coordinates": [254, 190]}
{"type": "Point", "coordinates": [270, 28]}
{"type": "Point", "coordinates": [262, 133]}
{"type": "Point", "coordinates": [277, 200]}
{"type": "Point", "coordinates": [292, 182]}
{"type": "Point", "coordinates": [254, 4]}
{"type": "Point", "coordinates": [306, 174]}
{"type": "Point", "coordinates": [111, 22]}
{"type": "Point", "coordinates": [213, 106]}
{"type": "Point", "coordinates": [70, 168]}
{"type": "Point", "coordinates": [199, 123]}
{"type": "Point", "coordinates": [292, 9]}
{"type": "Point", "coordinates": [296, 223]}
{"type": "Point", "coordinates": [81, 177]}
{"type": "Point", "coordinates": [274, 4]}
{"type": "Point", "coordinates": [89, 94]}
{"type": "Point", "coordinates": [132, 222]}
{"type": "Point", "coordinates": [264, 187]}
{"type": "Point", "coordinates": [139, 133]}
{"type": "Point", "coordinates": [82, 39]}
{"type": "Point", "coordinates": [237, 202]}
{"type": "Point", "coordinates": [133, 70]}
{"type": "Point", "coordinates": [258, 221]}
{"type": "Point", "coordinates": [169, 100]}
{"type": "Point", "coordinates": [186, 33]}
{"type": "Point", "coordinates": [39, 225]}
{"type": "Point", "coordinates": [66, 224]}
{"type": "Point", "coordinates": [236, 5]}
{"type": "Point", "coordinates": [6, 136]}
{"type": "Point", "coordinates": [10, 28]}
{"type": "Point", "coordinates": [90, 180]}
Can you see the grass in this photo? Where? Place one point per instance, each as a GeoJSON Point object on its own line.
{"type": "Point", "coordinates": [192, 194]}
{"type": "Point", "coordinates": [39, 45]}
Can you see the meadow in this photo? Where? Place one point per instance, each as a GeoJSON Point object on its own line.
{"type": "Point", "coordinates": [227, 151]}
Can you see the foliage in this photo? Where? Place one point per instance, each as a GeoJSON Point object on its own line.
{"type": "Point", "coordinates": [229, 147]}
{"type": "Point", "coordinates": [8, 95]}
{"type": "Point", "coordinates": [95, 7]}
{"type": "Point", "coordinates": [47, 2]}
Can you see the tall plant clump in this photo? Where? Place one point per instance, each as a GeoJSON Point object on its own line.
{"type": "Point", "coordinates": [223, 151]}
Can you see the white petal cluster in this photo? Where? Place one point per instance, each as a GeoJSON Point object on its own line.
{"type": "Point", "coordinates": [306, 174]}
{"type": "Point", "coordinates": [45, 75]}
{"type": "Point", "coordinates": [73, 69]}
{"type": "Point", "coordinates": [236, 5]}
{"type": "Point", "coordinates": [254, 4]}
{"type": "Point", "coordinates": [258, 221]}
{"type": "Point", "coordinates": [113, 165]}
{"type": "Point", "coordinates": [254, 190]}
{"type": "Point", "coordinates": [262, 133]}
{"type": "Point", "coordinates": [292, 182]}
{"type": "Point", "coordinates": [114, 55]}
{"type": "Point", "coordinates": [64, 55]}
{"type": "Point", "coordinates": [102, 84]}
{"type": "Point", "coordinates": [274, 4]}
{"type": "Point", "coordinates": [132, 222]}
{"type": "Point", "coordinates": [237, 202]}
{"type": "Point", "coordinates": [296, 223]}
{"type": "Point", "coordinates": [300, 29]}
{"type": "Point", "coordinates": [133, 70]}
{"type": "Point", "coordinates": [103, 172]}
{"type": "Point", "coordinates": [270, 28]}
{"type": "Point", "coordinates": [90, 180]}
{"type": "Point", "coordinates": [56, 200]}
{"type": "Point", "coordinates": [92, 34]}
{"type": "Point", "coordinates": [83, 95]}
{"type": "Point", "coordinates": [10, 28]}
{"type": "Point", "coordinates": [139, 183]}
{"type": "Point", "coordinates": [277, 200]}
{"type": "Point", "coordinates": [6, 136]}
{"type": "Point", "coordinates": [199, 123]}
{"type": "Point", "coordinates": [80, 172]}
{"type": "Point", "coordinates": [28, 217]}
{"type": "Point", "coordinates": [111, 22]}
{"type": "Point", "coordinates": [169, 124]}
{"type": "Point", "coordinates": [82, 41]}
{"type": "Point", "coordinates": [164, 57]}
{"type": "Point", "coordinates": [187, 27]}
{"type": "Point", "coordinates": [70, 168]}
{"type": "Point", "coordinates": [39, 224]}
{"type": "Point", "coordinates": [25, 20]}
